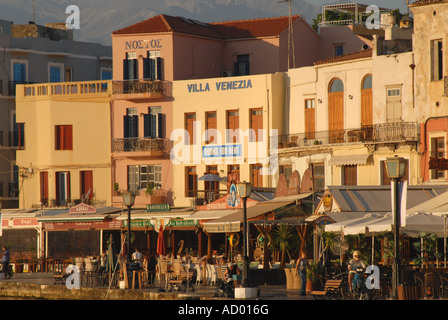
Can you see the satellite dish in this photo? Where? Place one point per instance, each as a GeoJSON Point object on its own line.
{"type": "Point", "coordinates": [339, 246]}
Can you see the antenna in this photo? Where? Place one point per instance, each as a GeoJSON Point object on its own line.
{"type": "Point", "coordinates": [34, 13]}
{"type": "Point", "coordinates": [290, 37]}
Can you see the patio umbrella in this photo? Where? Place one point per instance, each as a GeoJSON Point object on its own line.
{"type": "Point", "coordinates": [416, 222]}
{"type": "Point", "coordinates": [110, 263]}
{"type": "Point", "coordinates": [161, 242]}
{"type": "Point", "coordinates": [211, 177]}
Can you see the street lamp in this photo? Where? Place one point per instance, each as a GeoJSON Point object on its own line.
{"type": "Point", "coordinates": [129, 199]}
{"type": "Point", "coordinates": [244, 189]}
{"type": "Point", "coordinates": [395, 167]}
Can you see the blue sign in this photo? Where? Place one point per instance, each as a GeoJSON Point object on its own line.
{"type": "Point", "coordinates": [232, 150]}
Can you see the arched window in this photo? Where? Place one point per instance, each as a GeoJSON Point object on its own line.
{"type": "Point", "coordinates": [367, 82]}
{"type": "Point", "coordinates": [336, 85]}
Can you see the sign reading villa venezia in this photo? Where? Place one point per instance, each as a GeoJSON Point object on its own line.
{"type": "Point", "coordinates": [220, 86]}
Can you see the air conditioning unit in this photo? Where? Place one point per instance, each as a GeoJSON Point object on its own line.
{"type": "Point", "coordinates": [227, 73]}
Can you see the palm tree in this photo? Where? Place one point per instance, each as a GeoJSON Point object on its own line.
{"type": "Point", "coordinates": [282, 235]}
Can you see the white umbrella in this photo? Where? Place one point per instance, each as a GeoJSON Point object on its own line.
{"type": "Point", "coordinates": [353, 226]}
{"type": "Point", "coordinates": [415, 223]}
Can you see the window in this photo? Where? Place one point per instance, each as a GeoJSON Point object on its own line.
{"type": "Point", "coordinates": [130, 66]}
{"type": "Point", "coordinates": [17, 136]}
{"type": "Point", "coordinates": [210, 120]}
{"type": "Point", "coordinates": [310, 119]}
{"type": "Point", "coordinates": [436, 60]}
{"type": "Point", "coordinates": [241, 67]}
{"type": "Point", "coordinates": [256, 177]}
{"type": "Point", "coordinates": [211, 187]}
{"type": "Point", "coordinates": [191, 182]}
{"type": "Point", "coordinates": [153, 123]}
{"type": "Point", "coordinates": [55, 72]}
{"type": "Point", "coordinates": [19, 72]}
{"type": "Point", "coordinates": [44, 187]}
{"type": "Point", "coordinates": [338, 50]}
{"type": "Point", "coordinates": [256, 124]}
{"type": "Point", "coordinates": [68, 74]}
{"type": "Point", "coordinates": [106, 74]}
{"type": "Point", "coordinates": [190, 119]}
{"type": "Point", "coordinates": [437, 152]}
{"type": "Point", "coordinates": [62, 188]}
{"type": "Point", "coordinates": [144, 176]}
{"type": "Point", "coordinates": [232, 126]}
{"type": "Point", "coordinates": [152, 67]}
{"type": "Point", "coordinates": [287, 171]}
{"type": "Point", "coordinates": [64, 137]}
{"type": "Point", "coordinates": [130, 125]}
{"type": "Point", "coordinates": [393, 104]}
{"type": "Point", "coordinates": [318, 176]}
{"type": "Point", "coordinates": [350, 175]}
{"type": "Point", "coordinates": [86, 183]}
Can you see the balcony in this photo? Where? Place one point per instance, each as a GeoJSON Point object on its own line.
{"type": "Point", "coordinates": [153, 146]}
{"type": "Point", "coordinates": [383, 133]}
{"type": "Point", "coordinates": [143, 88]}
{"type": "Point", "coordinates": [17, 140]}
{"type": "Point", "coordinates": [12, 86]}
{"type": "Point", "coordinates": [80, 89]}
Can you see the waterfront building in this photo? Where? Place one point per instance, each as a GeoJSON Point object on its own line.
{"type": "Point", "coordinates": [37, 54]}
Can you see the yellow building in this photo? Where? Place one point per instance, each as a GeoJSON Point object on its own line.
{"type": "Point", "coordinates": [66, 156]}
{"type": "Point", "coordinates": [223, 126]}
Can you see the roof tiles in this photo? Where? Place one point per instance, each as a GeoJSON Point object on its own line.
{"type": "Point", "coordinates": [239, 29]}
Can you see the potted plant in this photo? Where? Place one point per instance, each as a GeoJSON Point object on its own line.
{"type": "Point", "coordinates": [117, 188]}
{"type": "Point", "coordinates": [313, 275]}
{"type": "Point", "coordinates": [149, 190]}
{"type": "Point", "coordinates": [282, 235]}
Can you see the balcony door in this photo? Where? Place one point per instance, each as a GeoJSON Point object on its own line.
{"type": "Point", "coordinates": [336, 111]}
{"type": "Point", "coordinates": [367, 108]}
{"type": "Point", "coordinates": [62, 188]}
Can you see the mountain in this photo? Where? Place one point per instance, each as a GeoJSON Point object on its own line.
{"type": "Point", "coordinates": [98, 18]}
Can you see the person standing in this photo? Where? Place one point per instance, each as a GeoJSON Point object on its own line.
{"type": "Point", "coordinates": [5, 262]}
{"type": "Point", "coordinates": [301, 265]}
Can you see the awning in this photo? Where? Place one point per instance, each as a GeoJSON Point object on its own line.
{"type": "Point", "coordinates": [354, 159]}
{"type": "Point", "coordinates": [232, 222]}
{"type": "Point", "coordinates": [209, 214]}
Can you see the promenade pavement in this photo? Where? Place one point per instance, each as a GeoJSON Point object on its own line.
{"type": "Point", "coordinates": [267, 292]}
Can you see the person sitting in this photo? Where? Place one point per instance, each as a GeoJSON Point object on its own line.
{"type": "Point", "coordinates": [353, 265]}
{"type": "Point", "coordinates": [137, 257]}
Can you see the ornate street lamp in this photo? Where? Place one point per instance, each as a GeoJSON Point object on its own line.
{"type": "Point", "coordinates": [244, 189]}
{"type": "Point", "coordinates": [129, 199]}
{"type": "Point", "coordinates": [396, 167]}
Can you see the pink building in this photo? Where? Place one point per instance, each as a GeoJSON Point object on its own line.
{"type": "Point", "coordinates": [149, 55]}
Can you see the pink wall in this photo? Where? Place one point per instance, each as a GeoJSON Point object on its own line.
{"type": "Point", "coordinates": [432, 125]}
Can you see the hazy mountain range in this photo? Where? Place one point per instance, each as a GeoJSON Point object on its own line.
{"type": "Point", "coordinates": [100, 17]}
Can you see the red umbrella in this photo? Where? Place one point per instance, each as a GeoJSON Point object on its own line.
{"type": "Point", "coordinates": [160, 242]}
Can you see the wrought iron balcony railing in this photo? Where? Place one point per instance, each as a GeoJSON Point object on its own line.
{"type": "Point", "coordinates": [142, 145]}
{"type": "Point", "coordinates": [157, 87]}
{"type": "Point", "coordinates": [377, 133]}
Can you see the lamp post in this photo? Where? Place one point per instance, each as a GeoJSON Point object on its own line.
{"type": "Point", "coordinates": [244, 189]}
{"type": "Point", "coordinates": [128, 199]}
{"type": "Point", "coordinates": [395, 170]}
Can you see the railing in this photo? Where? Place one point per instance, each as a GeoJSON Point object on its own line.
{"type": "Point", "coordinates": [12, 86]}
{"type": "Point", "coordinates": [378, 133]}
{"type": "Point", "coordinates": [81, 88]}
{"type": "Point", "coordinates": [141, 145]}
{"type": "Point", "coordinates": [164, 88]}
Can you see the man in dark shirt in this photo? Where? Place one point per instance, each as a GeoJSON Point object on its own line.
{"type": "Point", "coordinates": [5, 263]}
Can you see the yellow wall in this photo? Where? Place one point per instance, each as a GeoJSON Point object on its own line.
{"type": "Point", "coordinates": [200, 96]}
{"type": "Point", "coordinates": [89, 114]}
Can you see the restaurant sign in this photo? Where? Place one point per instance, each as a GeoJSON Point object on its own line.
{"type": "Point", "coordinates": [162, 207]}
{"type": "Point", "coordinates": [172, 223]}
{"type": "Point", "coordinates": [82, 208]}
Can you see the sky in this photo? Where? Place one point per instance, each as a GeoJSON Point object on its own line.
{"type": "Point", "coordinates": [100, 17]}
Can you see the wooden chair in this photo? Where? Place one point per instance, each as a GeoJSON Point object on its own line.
{"type": "Point", "coordinates": [432, 280]}
{"type": "Point", "coordinates": [331, 291]}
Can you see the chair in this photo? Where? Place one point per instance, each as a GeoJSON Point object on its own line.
{"type": "Point", "coordinates": [212, 274]}
{"type": "Point", "coordinates": [443, 283]}
{"type": "Point", "coordinates": [162, 269]}
{"type": "Point", "coordinates": [176, 268]}
{"type": "Point", "coordinates": [432, 280]}
{"type": "Point", "coordinates": [199, 277]}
